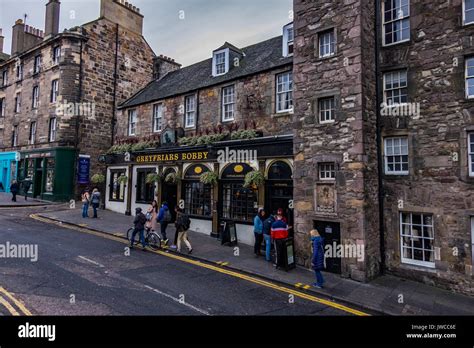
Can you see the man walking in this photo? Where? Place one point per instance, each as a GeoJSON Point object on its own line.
{"type": "Point", "coordinates": [183, 222]}
{"type": "Point", "coordinates": [14, 189]}
{"type": "Point", "coordinates": [164, 218]}
{"type": "Point", "coordinates": [26, 187]}
{"type": "Point", "coordinates": [139, 222]}
{"type": "Point", "coordinates": [279, 233]}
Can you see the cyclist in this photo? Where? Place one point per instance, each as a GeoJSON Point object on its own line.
{"type": "Point", "coordinates": [139, 222]}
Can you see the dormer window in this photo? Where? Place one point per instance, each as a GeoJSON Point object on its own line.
{"type": "Point", "coordinates": [288, 40]}
{"type": "Point", "coordinates": [220, 62]}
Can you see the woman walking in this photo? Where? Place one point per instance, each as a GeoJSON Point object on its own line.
{"type": "Point", "coordinates": [151, 215]}
{"type": "Point", "coordinates": [318, 258]}
{"type": "Point", "coordinates": [182, 226]}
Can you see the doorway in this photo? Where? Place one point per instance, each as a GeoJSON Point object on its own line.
{"type": "Point", "coordinates": [331, 232]}
{"type": "Point", "coordinates": [169, 193]}
{"type": "Point", "coordinates": [38, 180]}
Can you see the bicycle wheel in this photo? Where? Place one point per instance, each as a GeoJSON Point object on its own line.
{"type": "Point", "coordinates": [130, 234]}
{"type": "Point", "coordinates": [154, 241]}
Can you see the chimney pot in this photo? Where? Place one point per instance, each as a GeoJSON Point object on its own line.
{"type": "Point", "coordinates": [53, 9]}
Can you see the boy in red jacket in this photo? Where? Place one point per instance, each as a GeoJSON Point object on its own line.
{"type": "Point", "coordinates": [279, 232]}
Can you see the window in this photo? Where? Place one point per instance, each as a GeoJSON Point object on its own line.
{"type": "Point", "coordinates": [157, 118]}
{"type": "Point", "coordinates": [471, 153]}
{"type": "Point", "coordinates": [220, 62]}
{"type": "Point", "coordinates": [239, 203]}
{"type": "Point", "coordinates": [228, 103]}
{"type": "Point", "coordinates": [327, 44]}
{"type": "Point", "coordinates": [472, 240]}
{"type": "Point", "coordinates": [32, 133]}
{"type": "Point", "coordinates": [327, 110]}
{"type": "Point", "coordinates": [19, 72]}
{"type": "Point", "coordinates": [145, 191]}
{"type": "Point", "coordinates": [50, 169]}
{"type": "Point", "coordinates": [37, 65]}
{"type": "Point", "coordinates": [288, 40]}
{"type": "Point", "coordinates": [56, 54]}
{"type": "Point", "coordinates": [396, 21]}
{"type": "Point", "coordinates": [468, 11]}
{"type": "Point", "coordinates": [2, 107]}
{"type": "Point", "coordinates": [52, 129]}
{"type": "Point", "coordinates": [15, 136]}
{"type": "Point", "coordinates": [470, 77]}
{"type": "Point", "coordinates": [327, 171]}
{"type": "Point", "coordinates": [284, 90]}
{"type": "Point", "coordinates": [190, 111]}
{"type": "Point", "coordinates": [395, 87]}
{"type": "Point", "coordinates": [417, 239]}
{"type": "Point", "coordinates": [54, 91]}
{"type": "Point", "coordinates": [35, 97]}
{"type": "Point", "coordinates": [18, 102]}
{"type": "Point", "coordinates": [132, 122]}
{"type": "Point", "coordinates": [197, 199]}
{"type": "Point", "coordinates": [396, 156]}
{"type": "Point", "coordinates": [117, 187]}
{"type": "Point", "coordinates": [4, 78]}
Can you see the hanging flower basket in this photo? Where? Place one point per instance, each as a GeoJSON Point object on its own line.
{"type": "Point", "coordinates": [123, 179]}
{"type": "Point", "coordinates": [153, 178]}
{"type": "Point", "coordinates": [172, 178]}
{"type": "Point", "coordinates": [98, 179]}
{"type": "Point", "coordinates": [209, 178]}
{"type": "Point", "coordinates": [254, 179]}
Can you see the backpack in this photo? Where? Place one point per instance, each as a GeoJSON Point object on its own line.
{"type": "Point", "coordinates": [167, 216]}
{"type": "Point", "coordinates": [95, 199]}
{"type": "Point", "coordinates": [148, 216]}
{"type": "Point", "coordinates": [186, 222]}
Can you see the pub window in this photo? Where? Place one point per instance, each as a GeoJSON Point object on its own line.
{"type": "Point", "coordinates": [197, 196]}
{"type": "Point", "coordinates": [239, 203]}
{"type": "Point", "coordinates": [37, 65]}
{"type": "Point", "coordinates": [50, 169]}
{"type": "Point", "coordinates": [145, 191]}
{"type": "Point", "coordinates": [284, 92]}
{"type": "Point", "coordinates": [132, 122]}
{"type": "Point", "coordinates": [117, 189]}
{"type": "Point", "coordinates": [417, 239]}
{"type": "Point", "coordinates": [327, 44]}
{"type": "Point", "coordinates": [327, 171]}
{"type": "Point", "coordinates": [396, 21]}
{"type": "Point", "coordinates": [35, 97]}
{"type": "Point", "coordinates": [471, 154]}
{"type": "Point", "coordinates": [396, 156]}
{"type": "Point", "coordinates": [32, 133]}
{"type": "Point", "coordinates": [2, 107]}
{"type": "Point", "coordinates": [395, 87]}
{"type": "Point", "coordinates": [157, 118]}
{"type": "Point", "coordinates": [52, 129]}
{"type": "Point", "coordinates": [326, 110]}
{"type": "Point", "coordinates": [228, 103]}
{"type": "Point", "coordinates": [190, 112]}
{"type": "Point", "coordinates": [470, 77]}
{"type": "Point", "coordinates": [4, 78]}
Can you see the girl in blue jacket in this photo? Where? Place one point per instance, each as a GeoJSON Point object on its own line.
{"type": "Point", "coordinates": [318, 257]}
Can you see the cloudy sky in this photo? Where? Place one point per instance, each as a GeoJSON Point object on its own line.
{"type": "Point", "coordinates": [206, 25]}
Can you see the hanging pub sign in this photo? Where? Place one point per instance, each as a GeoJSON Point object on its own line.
{"type": "Point", "coordinates": [83, 170]}
{"type": "Point", "coordinates": [168, 137]}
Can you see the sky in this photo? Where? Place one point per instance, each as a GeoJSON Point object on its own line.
{"type": "Point", "coordinates": [185, 30]}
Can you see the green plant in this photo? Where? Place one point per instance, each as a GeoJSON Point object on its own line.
{"type": "Point", "coordinates": [172, 178]}
{"type": "Point", "coordinates": [244, 134]}
{"type": "Point", "coordinates": [122, 179]}
{"type": "Point", "coordinates": [209, 178]}
{"type": "Point", "coordinates": [254, 179]}
{"type": "Point", "coordinates": [202, 140]}
{"type": "Point", "coordinates": [153, 178]}
{"type": "Point", "coordinates": [119, 149]}
{"type": "Point", "coordinates": [98, 179]}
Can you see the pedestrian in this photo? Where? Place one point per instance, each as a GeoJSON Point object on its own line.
{"type": "Point", "coordinates": [139, 222]}
{"type": "Point", "coordinates": [164, 218]}
{"type": "Point", "coordinates": [258, 231]}
{"type": "Point", "coordinates": [267, 227]}
{"type": "Point", "coordinates": [279, 232]}
{"type": "Point", "coordinates": [85, 203]}
{"type": "Point", "coordinates": [95, 200]}
{"type": "Point", "coordinates": [317, 261]}
{"type": "Point", "coordinates": [183, 222]}
{"type": "Point", "coordinates": [151, 215]}
{"type": "Point", "coordinates": [26, 187]}
{"type": "Point", "coordinates": [14, 189]}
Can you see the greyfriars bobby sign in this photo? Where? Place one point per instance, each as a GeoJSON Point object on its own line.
{"type": "Point", "coordinates": [168, 137]}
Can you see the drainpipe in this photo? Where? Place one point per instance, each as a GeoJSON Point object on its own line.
{"type": "Point", "coordinates": [381, 193]}
{"type": "Point", "coordinates": [78, 117]}
{"type": "Point", "coordinates": [114, 113]}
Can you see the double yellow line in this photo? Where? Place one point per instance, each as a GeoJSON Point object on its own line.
{"type": "Point", "coordinates": [218, 268]}
{"type": "Point", "coordinates": [13, 305]}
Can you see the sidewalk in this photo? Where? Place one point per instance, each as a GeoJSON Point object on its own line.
{"type": "Point", "coordinates": [381, 295]}
{"type": "Point", "coordinates": [6, 201]}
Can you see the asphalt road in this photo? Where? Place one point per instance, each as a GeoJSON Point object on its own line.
{"type": "Point", "coordinates": [82, 274]}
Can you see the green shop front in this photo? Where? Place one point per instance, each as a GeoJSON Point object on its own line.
{"type": "Point", "coordinates": [8, 169]}
{"type": "Point", "coordinates": [51, 173]}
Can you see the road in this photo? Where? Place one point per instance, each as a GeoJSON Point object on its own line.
{"type": "Point", "coordinates": [82, 274]}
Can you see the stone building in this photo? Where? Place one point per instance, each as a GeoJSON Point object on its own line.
{"type": "Point", "coordinates": [59, 92]}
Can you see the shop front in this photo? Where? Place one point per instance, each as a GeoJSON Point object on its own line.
{"type": "Point", "coordinates": [8, 169]}
{"type": "Point", "coordinates": [178, 179]}
{"type": "Point", "coordinates": [51, 173]}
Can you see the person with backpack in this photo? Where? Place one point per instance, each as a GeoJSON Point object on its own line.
{"type": "Point", "coordinates": [267, 227]}
{"type": "Point", "coordinates": [183, 223]}
{"type": "Point", "coordinates": [164, 218]}
{"type": "Point", "coordinates": [85, 197]}
{"type": "Point", "coordinates": [95, 200]}
{"type": "Point", "coordinates": [139, 222]}
{"type": "Point", "coordinates": [258, 231]}
{"type": "Point", "coordinates": [317, 261]}
{"type": "Point", "coordinates": [14, 189]}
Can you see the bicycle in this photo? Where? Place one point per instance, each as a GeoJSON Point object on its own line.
{"type": "Point", "coordinates": [152, 239]}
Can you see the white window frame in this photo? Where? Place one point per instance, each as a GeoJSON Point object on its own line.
{"type": "Point", "coordinates": [4, 77]}
{"type": "Point", "coordinates": [157, 117]}
{"type": "Point", "coordinates": [467, 76]}
{"type": "Point", "coordinates": [18, 102]}
{"type": "Point", "coordinates": [470, 153]}
{"type": "Point", "coordinates": [331, 111]}
{"type": "Point", "coordinates": [54, 90]}
{"type": "Point", "coordinates": [386, 155]}
{"type": "Point", "coordinates": [132, 122]}
{"type": "Point", "coordinates": [37, 64]}
{"type": "Point", "coordinates": [331, 44]}
{"type": "Point", "coordinates": [35, 97]}
{"type": "Point", "coordinates": [56, 54]}
{"type": "Point", "coordinates": [226, 63]}
{"type": "Point", "coordinates": [53, 124]}
{"type": "Point", "coordinates": [412, 261]}
{"type": "Point", "coordinates": [464, 13]}
{"type": "Point", "coordinates": [329, 171]}
{"type": "Point", "coordinates": [472, 242]}
{"type": "Point", "coordinates": [3, 107]}
{"type": "Point", "coordinates": [15, 136]}
{"type": "Point", "coordinates": [288, 41]}
{"type": "Point", "coordinates": [228, 106]}
{"type": "Point", "coordinates": [33, 127]}
{"type": "Point", "coordinates": [284, 92]}
{"type": "Point", "coordinates": [190, 111]}
{"type": "Point", "coordinates": [19, 72]}
{"type": "Point", "coordinates": [386, 90]}
{"type": "Point", "coordinates": [400, 19]}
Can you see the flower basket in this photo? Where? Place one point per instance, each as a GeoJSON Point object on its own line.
{"type": "Point", "coordinates": [123, 179]}
{"type": "Point", "coordinates": [98, 179]}
{"type": "Point", "coordinates": [209, 178]}
{"type": "Point", "coordinates": [172, 178]}
{"type": "Point", "coordinates": [153, 178]}
{"type": "Point", "coordinates": [254, 179]}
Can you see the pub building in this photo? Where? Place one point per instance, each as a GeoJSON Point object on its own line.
{"type": "Point", "coordinates": [235, 93]}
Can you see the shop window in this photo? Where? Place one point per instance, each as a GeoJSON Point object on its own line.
{"type": "Point", "coordinates": [30, 171]}
{"type": "Point", "coordinates": [50, 170]}
{"type": "Point", "coordinates": [417, 239]}
{"type": "Point", "coordinates": [396, 156]}
{"type": "Point", "coordinates": [145, 191]}
{"type": "Point", "coordinates": [396, 21]}
{"type": "Point", "coordinates": [239, 203]}
{"type": "Point", "coordinates": [117, 189]}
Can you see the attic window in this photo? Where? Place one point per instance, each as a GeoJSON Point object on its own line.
{"type": "Point", "coordinates": [220, 62]}
{"type": "Point", "coordinates": [288, 40]}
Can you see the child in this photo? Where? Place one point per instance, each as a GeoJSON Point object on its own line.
{"type": "Point", "coordinates": [139, 222]}
{"type": "Point", "coordinates": [318, 258]}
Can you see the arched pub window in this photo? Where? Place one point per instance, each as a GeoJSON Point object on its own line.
{"type": "Point", "coordinates": [238, 203]}
{"type": "Point", "coordinates": [197, 196]}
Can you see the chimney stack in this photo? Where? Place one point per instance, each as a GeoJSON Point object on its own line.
{"type": "Point", "coordinates": [18, 37]}
{"type": "Point", "coordinates": [1, 41]}
{"type": "Point", "coordinates": [52, 18]}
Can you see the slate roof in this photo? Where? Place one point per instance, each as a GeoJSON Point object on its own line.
{"type": "Point", "coordinates": [4, 57]}
{"type": "Point", "coordinates": [260, 57]}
